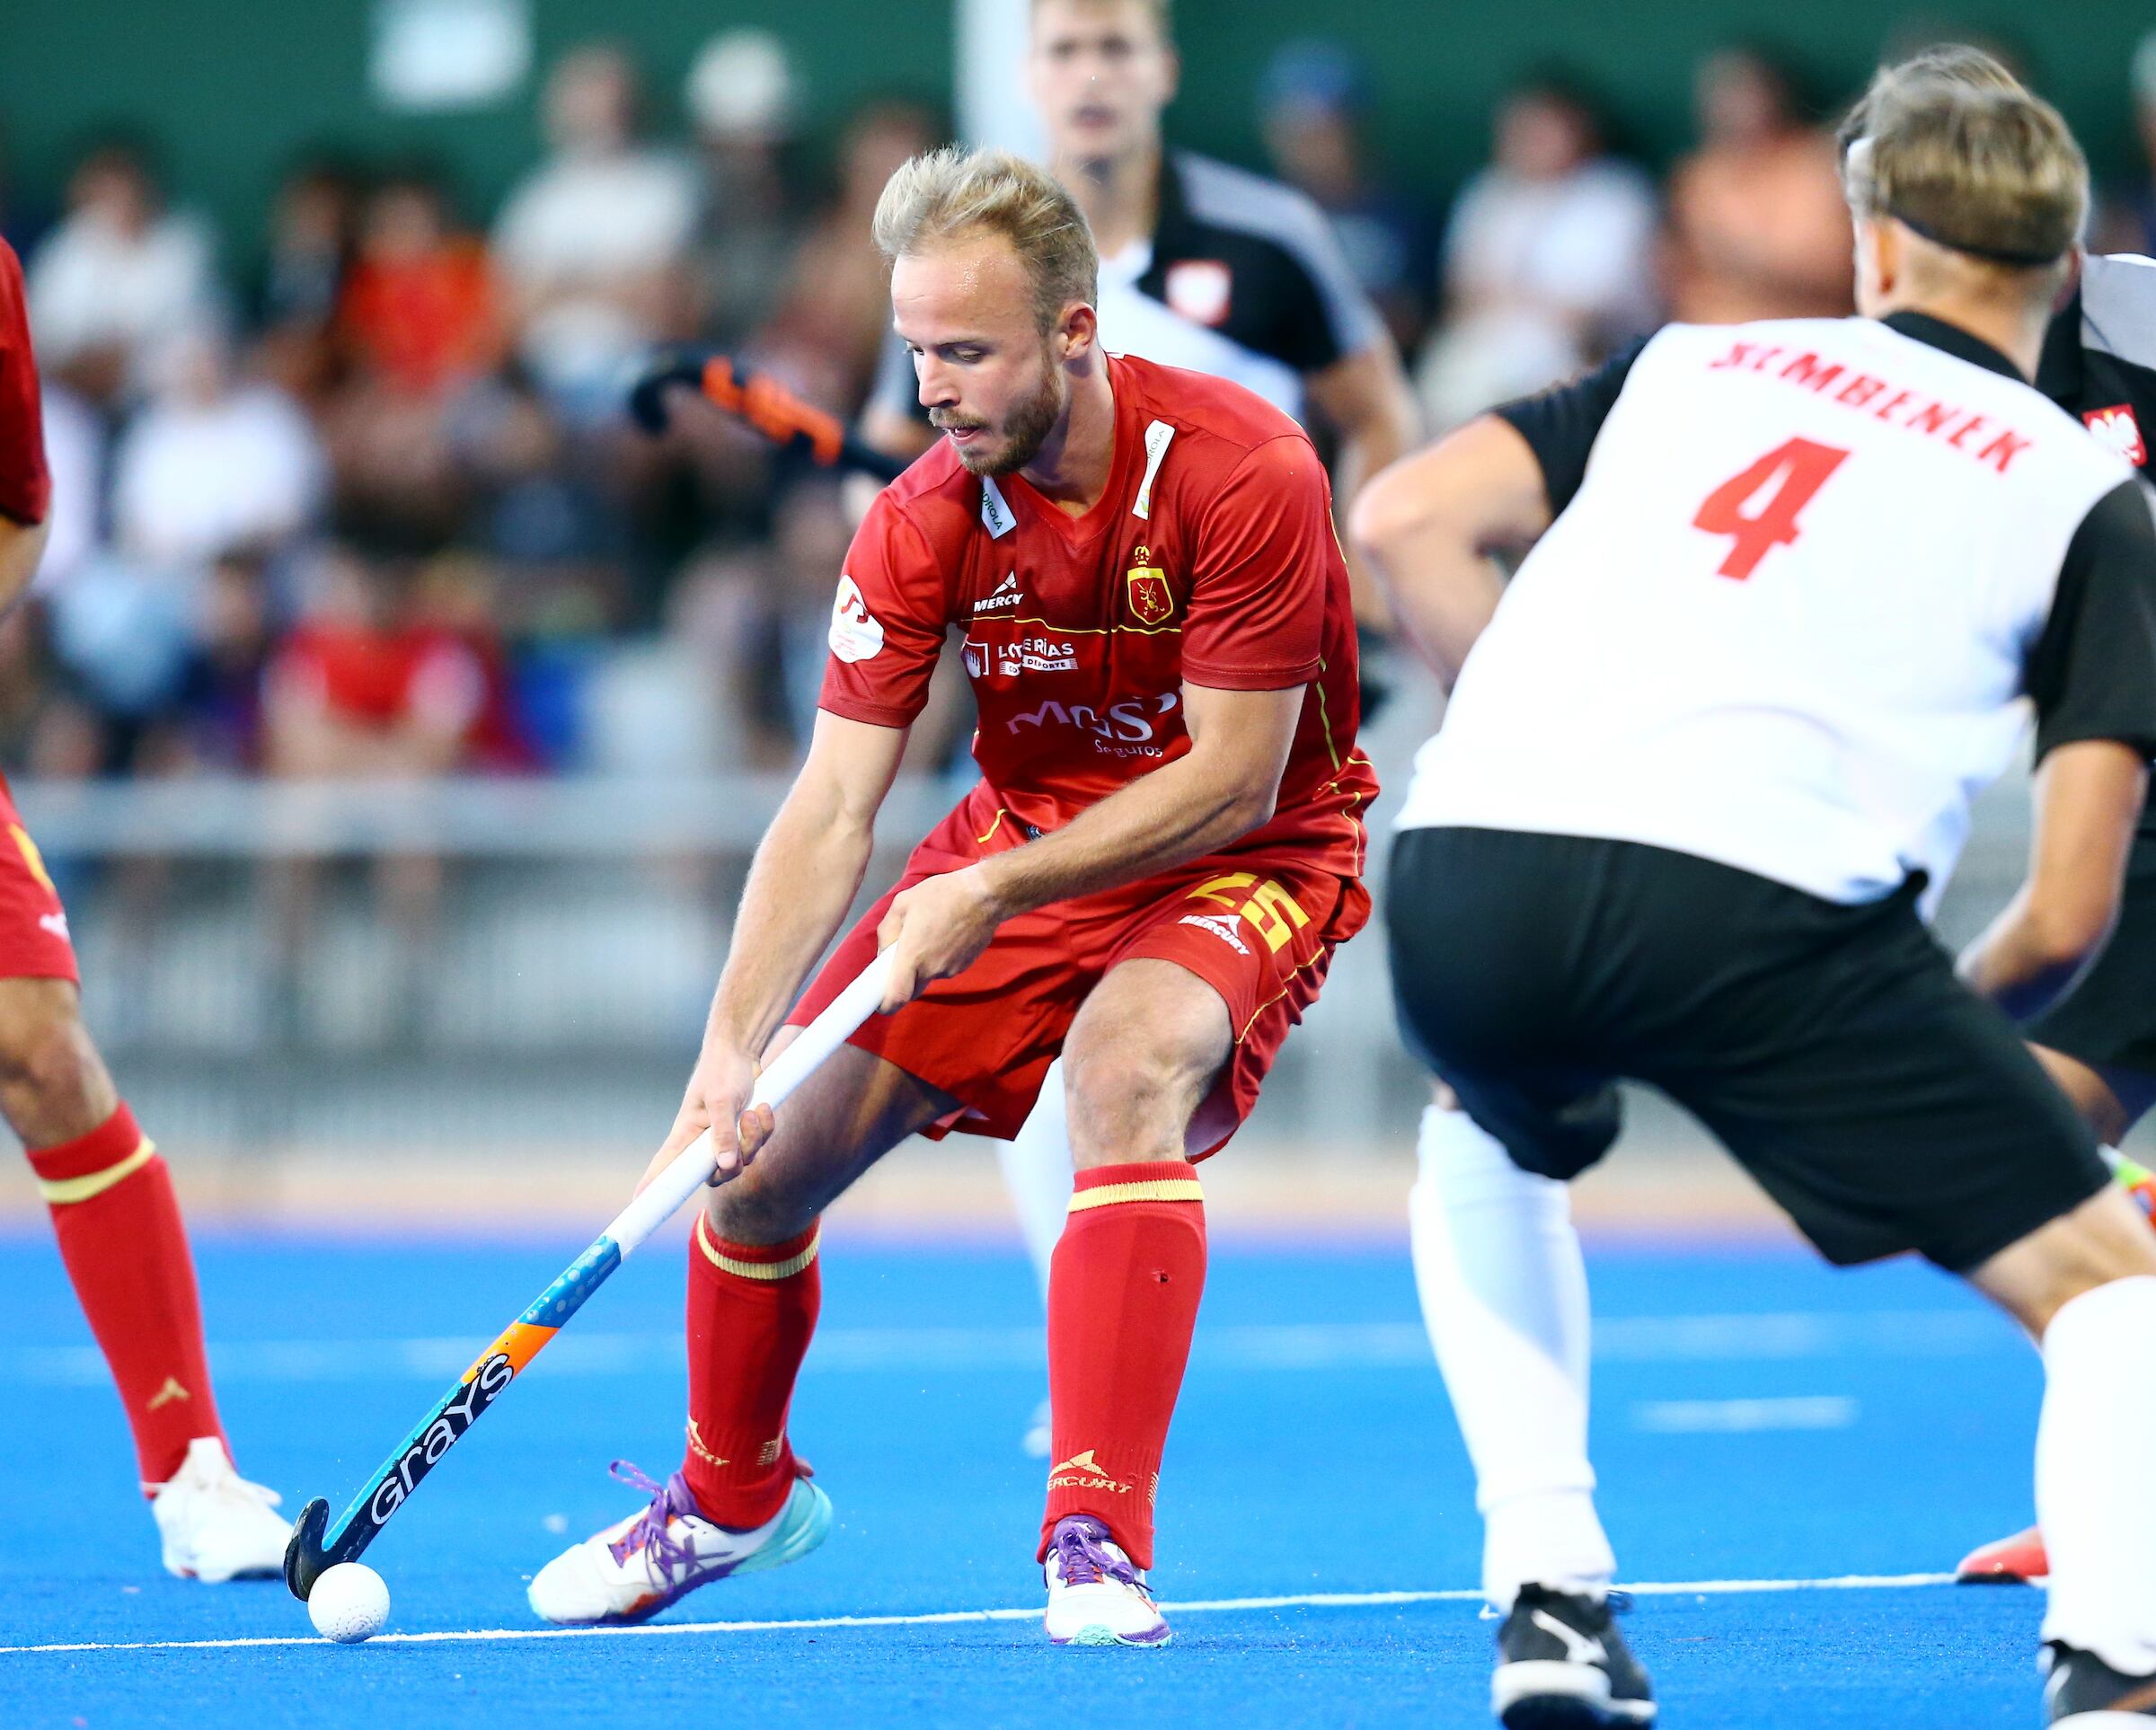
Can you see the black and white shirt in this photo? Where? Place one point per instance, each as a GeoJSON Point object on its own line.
{"type": "Point", "coordinates": [2100, 355]}
{"type": "Point", "coordinates": [1806, 580]}
{"type": "Point", "coordinates": [1242, 278]}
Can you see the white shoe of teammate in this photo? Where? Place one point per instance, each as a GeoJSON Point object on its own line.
{"type": "Point", "coordinates": [217, 1525]}
{"type": "Point", "coordinates": [637, 1567]}
{"type": "Point", "coordinates": [1095, 1596]}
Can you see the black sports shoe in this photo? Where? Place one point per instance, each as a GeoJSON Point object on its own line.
{"type": "Point", "coordinates": [2083, 1689]}
{"type": "Point", "coordinates": [1563, 1666]}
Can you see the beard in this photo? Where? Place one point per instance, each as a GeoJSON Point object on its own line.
{"type": "Point", "coordinates": [1025, 430]}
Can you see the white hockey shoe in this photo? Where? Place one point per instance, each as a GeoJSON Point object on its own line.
{"type": "Point", "coordinates": [637, 1567]}
{"type": "Point", "coordinates": [216, 1525]}
{"type": "Point", "coordinates": [1095, 1596]}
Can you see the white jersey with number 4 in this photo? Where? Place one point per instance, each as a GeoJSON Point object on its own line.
{"type": "Point", "coordinates": [1789, 617]}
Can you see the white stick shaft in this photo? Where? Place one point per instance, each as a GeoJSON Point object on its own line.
{"type": "Point", "coordinates": [692, 1168]}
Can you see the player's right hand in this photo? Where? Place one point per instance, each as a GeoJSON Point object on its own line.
{"type": "Point", "coordinates": [717, 1099]}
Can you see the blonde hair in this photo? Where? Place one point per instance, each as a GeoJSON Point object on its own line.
{"type": "Point", "coordinates": [954, 194]}
{"type": "Point", "coordinates": [1951, 146]}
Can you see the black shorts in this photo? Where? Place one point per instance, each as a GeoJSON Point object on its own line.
{"type": "Point", "coordinates": [1832, 1050]}
{"type": "Point", "coordinates": [2108, 1020]}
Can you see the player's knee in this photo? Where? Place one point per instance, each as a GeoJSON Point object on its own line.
{"type": "Point", "coordinates": [1129, 1101]}
{"type": "Point", "coordinates": [759, 1207]}
{"type": "Point", "coordinates": [47, 1064]}
{"type": "Point", "coordinates": [2103, 1240]}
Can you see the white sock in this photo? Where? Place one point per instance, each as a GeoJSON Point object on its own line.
{"type": "Point", "coordinates": [2099, 1420]}
{"type": "Point", "coordinates": [1504, 1297]}
{"type": "Point", "coordinates": [1036, 1171]}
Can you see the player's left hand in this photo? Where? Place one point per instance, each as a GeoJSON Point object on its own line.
{"type": "Point", "coordinates": [936, 929]}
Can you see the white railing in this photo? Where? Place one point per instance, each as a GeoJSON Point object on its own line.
{"type": "Point", "coordinates": [557, 991]}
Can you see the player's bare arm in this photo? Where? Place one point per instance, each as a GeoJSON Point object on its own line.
{"type": "Point", "coordinates": [1364, 397]}
{"type": "Point", "coordinates": [1216, 793]}
{"type": "Point", "coordinates": [1427, 528]}
{"type": "Point", "coordinates": [806, 872]}
{"type": "Point", "coordinates": [2087, 800]}
{"type": "Point", "coordinates": [22, 545]}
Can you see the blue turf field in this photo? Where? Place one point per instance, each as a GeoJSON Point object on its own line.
{"type": "Point", "coordinates": [1759, 1419]}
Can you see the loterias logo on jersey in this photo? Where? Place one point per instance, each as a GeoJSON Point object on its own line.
{"type": "Point", "coordinates": [1152, 601]}
{"type": "Point", "coordinates": [2115, 429]}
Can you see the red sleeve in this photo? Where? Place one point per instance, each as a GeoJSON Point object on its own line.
{"type": "Point", "coordinates": [1256, 612]}
{"type": "Point", "coordinates": [25, 487]}
{"type": "Point", "coordinates": [887, 622]}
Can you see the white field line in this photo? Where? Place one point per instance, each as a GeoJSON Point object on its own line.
{"type": "Point", "coordinates": [1195, 1606]}
{"type": "Point", "coordinates": [1785, 1337]}
{"type": "Point", "coordinates": [1744, 1416]}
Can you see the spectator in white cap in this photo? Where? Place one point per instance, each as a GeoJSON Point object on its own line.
{"type": "Point", "coordinates": [742, 99]}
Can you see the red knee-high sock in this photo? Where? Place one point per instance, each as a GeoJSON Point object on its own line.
{"type": "Point", "coordinates": [1123, 1293]}
{"type": "Point", "coordinates": [120, 1235]}
{"type": "Point", "coordinates": [752, 1312]}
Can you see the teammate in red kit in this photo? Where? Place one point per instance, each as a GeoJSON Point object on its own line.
{"type": "Point", "coordinates": [1149, 880]}
{"type": "Point", "coordinates": [111, 1195]}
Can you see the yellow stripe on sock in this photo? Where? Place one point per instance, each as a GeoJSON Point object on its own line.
{"type": "Point", "coordinates": [60, 1191]}
{"type": "Point", "coordinates": [1158, 1189]}
{"type": "Point", "coordinates": [786, 1269]}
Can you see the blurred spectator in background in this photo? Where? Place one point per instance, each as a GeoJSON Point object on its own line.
{"type": "Point", "coordinates": [1547, 256]}
{"type": "Point", "coordinates": [741, 101]}
{"type": "Point", "coordinates": [117, 276]}
{"type": "Point", "coordinates": [74, 454]}
{"type": "Point", "coordinates": [386, 677]}
{"type": "Point", "coordinates": [1312, 104]}
{"type": "Point", "coordinates": [389, 674]}
{"type": "Point", "coordinates": [295, 299]}
{"type": "Point", "coordinates": [1758, 227]}
{"type": "Point", "coordinates": [594, 244]}
{"type": "Point", "coordinates": [757, 618]}
{"type": "Point", "coordinates": [418, 320]}
{"type": "Point", "coordinates": [2127, 222]}
{"type": "Point", "coordinates": [419, 312]}
{"type": "Point", "coordinates": [835, 315]}
{"type": "Point", "coordinates": [212, 463]}
{"type": "Point", "coordinates": [218, 725]}
{"type": "Point", "coordinates": [211, 468]}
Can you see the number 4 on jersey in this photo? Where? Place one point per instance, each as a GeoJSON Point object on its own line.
{"type": "Point", "coordinates": [1795, 472]}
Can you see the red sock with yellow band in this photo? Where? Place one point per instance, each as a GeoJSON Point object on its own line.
{"type": "Point", "coordinates": [120, 1235]}
{"type": "Point", "coordinates": [1123, 1293]}
{"type": "Point", "coordinates": [752, 1313]}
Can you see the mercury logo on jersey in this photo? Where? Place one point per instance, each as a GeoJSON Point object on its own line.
{"type": "Point", "coordinates": [1007, 595]}
{"type": "Point", "coordinates": [2116, 429]}
{"type": "Point", "coordinates": [1223, 929]}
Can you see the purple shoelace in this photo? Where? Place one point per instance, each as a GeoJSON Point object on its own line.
{"type": "Point", "coordinates": [663, 1552]}
{"type": "Point", "coordinates": [1084, 1561]}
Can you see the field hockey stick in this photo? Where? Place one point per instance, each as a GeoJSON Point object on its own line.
{"type": "Point", "coordinates": [315, 1546]}
{"type": "Point", "coordinates": [760, 402]}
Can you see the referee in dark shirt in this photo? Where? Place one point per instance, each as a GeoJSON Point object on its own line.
{"type": "Point", "coordinates": [1202, 265]}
